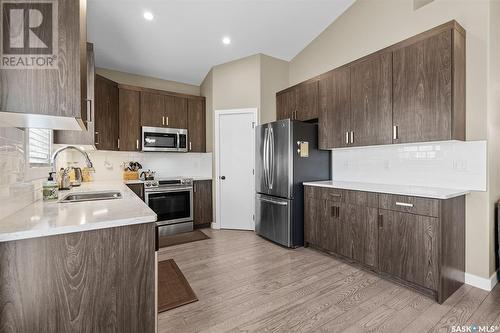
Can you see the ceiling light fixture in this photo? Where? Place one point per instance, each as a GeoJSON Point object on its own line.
{"type": "Point", "coordinates": [226, 40]}
{"type": "Point", "coordinates": [148, 16]}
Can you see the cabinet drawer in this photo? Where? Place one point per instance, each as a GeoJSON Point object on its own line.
{"type": "Point", "coordinates": [414, 205]}
{"type": "Point", "coordinates": [311, 191]}
{"type": "Point", "coordinates": [361, 198]}
{"type": "Point", "coordinates": [332, 194]}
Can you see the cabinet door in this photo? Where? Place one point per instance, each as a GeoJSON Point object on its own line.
{"type": "Point", "coordinates": [196, 125]}
{"type": "Point", "coordinates": [371, 101]}
{"type": "Point", "coordinates": [311, 207]}
{"type": "Point", "coordinates": [285, 105]}
{"type": "Point", "coordinates": [106, 114]}
{"type": "Point", "coordinates": [84, 137]}
{"type": "Point", "coordinates": [152, 109]}
{"type": "Point", "coordinates": [334, 109]}
{"type": "Point", "coordinates": [175, 111]}
{"type": "Point", "coordinates": [56, 91]}
{"type": "Point", "coordinates": [130, 120]}
{"type": "Point", "coordinates": [408, 247]}
{"type": "Point", "coordinates": [306, 101]}
{"type": "Point", "coordinates": [202, 202]}
{"type": "Point", "coordinates": [360, 234]}
{"type": "Point", "coordinates": [423, 89]}
{"type": "Point", "coordinates": [330, 220]}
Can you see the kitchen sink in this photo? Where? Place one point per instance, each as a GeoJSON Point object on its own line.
{"type": "Point", "coordinates": [91, 196]}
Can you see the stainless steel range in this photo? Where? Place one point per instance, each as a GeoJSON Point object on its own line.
{"type": "Point", "coordinates": [172, 201]}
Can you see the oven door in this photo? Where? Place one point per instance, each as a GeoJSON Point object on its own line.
{"type": "Point", "coordinates": [172, 205]}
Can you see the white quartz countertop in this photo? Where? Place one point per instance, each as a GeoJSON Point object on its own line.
{"type": "Point", "coordinates": [46, 218]}
{"type": "Point", "coordinates": [410, 190]}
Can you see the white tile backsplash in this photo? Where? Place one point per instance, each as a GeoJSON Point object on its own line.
{"type": "Point", "coordinates": [108, 164]}
{"type": "Point", "coordinates": [17, 188]}
{"type": "Point", "coordinates": [445, 164]}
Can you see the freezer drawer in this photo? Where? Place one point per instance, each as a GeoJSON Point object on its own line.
{"type": "Point", "coordinates": [274, 219]}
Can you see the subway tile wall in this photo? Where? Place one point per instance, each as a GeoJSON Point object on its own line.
{"type": "Point", "coordinates": [16, 190]}
{"type": "Point", "coordinates": [445, 164]}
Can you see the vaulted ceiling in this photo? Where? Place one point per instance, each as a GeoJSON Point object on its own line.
{"type": "Point", "coordinates": [184, 39]}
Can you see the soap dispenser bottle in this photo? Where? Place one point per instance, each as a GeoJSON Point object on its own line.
{"type": "Point", "coordinates": [50, 188]}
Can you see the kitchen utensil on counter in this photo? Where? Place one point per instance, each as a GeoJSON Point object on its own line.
{"type": "Point", "coordinates": [78, 177]}
{"type": "Point", "coordinates": [63, 179]}
{"type": "Point", "coordinates": [86, 175]}
{"type": "Point", "coordinates": [148, 175]}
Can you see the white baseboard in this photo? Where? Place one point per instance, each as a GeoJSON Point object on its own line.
{"type": "Point", "coordinates": [215, 226]}
{"type": "Point", "coordinates": [480, 282]}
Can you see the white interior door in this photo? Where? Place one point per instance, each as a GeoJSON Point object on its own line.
{"type": "Point", "coordinates": [236, 163]}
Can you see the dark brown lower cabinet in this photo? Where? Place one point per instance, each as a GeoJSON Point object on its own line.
{"type": "Point", "coordinates": [410, 247]}
{"type": "Point", "coordinates": [202, 203]}
{"type": "Point", "coordinates": [93, 281]}
{"type": "Point", "coordinates": [416, 241]}
{"type": "Point", "coordinates": [138, 189]}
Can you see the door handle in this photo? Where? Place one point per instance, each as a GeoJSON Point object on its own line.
{"type": "Point", "coordinates": [89, 110]}
{"type": "Point", "coordinates": [163, 120]}
{"type": "Point", "coordinates": [352, 136]}
{"type": "Point", "coordinates": [395, 134]}
{"type": "Point", "coordinates": [190, 146]}
{"type": "Point", "coordinates": [222, 177]}
{"type": "Point", "coordinates": [137, 144]}
{"type": "Point", "coordinates": [96, 138]}
{"type": "Point", "coordinates": [167, 121]}
{"type": "Point", "coordinates": [347, 137]}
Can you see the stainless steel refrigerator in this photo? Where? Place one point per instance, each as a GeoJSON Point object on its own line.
{"type": "Point", "coordinates": [287, 155]}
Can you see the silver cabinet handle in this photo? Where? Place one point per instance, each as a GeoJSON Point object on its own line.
{"type": "Point", "coordinates": [352, 136]}
{"type": "Point", "coordinates": [336, 195]}
{"type": "Point", "coordinates": [96, 138]}
{"type": "Point", "coordinates": [347, 137]}
{"type": "Point", "coordinates": [190, 146]}
{"type": "Point", "coordinates": [395, 134]}
{"type": "Point", "coordinates": [137, 144]}
{"type": "Point", "coordinates": [167, 121]}
{"type": "Point", "coordinates": [163, 120]}
{"type": "Point", "coordinates": [118, 143]}
{"type": "Point", "coordinates": [275, 202]}
{"type": "Point", "coordinates": [404, 204]}
{"type": "Point", "coordinates": [89, 110]}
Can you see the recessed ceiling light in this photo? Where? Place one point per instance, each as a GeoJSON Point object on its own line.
{"type": "Point", "coordinates": [148, 16]}
{"type": "Point", "coordinates": [226, 40]}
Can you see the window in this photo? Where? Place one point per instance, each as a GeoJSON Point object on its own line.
{"type": "Point", "coordinates": [39, 146]}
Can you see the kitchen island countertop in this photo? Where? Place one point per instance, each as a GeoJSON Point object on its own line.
{"type": "Point", "coordinates": [46, 218]}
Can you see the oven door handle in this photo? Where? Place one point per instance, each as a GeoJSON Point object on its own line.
{"type": "Point", "coordinates": [169, 190]}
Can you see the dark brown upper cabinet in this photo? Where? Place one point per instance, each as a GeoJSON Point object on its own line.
{"type": "Point", "coordinates": [429, 89]}
{"type": "Point", "coordinates": [371, 101]}
{"type": "Point", "coordinates": [299, 102]}
{"type": "Point", "coordinates": [59, 91]}
{"type": "Point", "coordinates": [86, 136]}
{"type": "Point", "coordinates": [152, 109]}
{"type": "Point", "coordinates": [285, 104]}
{"type": "Point", "coordinates": [412, 91]}
{"type": "Point", "coordinates": [130, 120]}
{"type": "Point", "coordinates": [175, 111]}
{"type": "Point", "coordinates": [196, 125]}
{"type": "Point", "coordinates": [106, 114]}
{"type": "Point", "coordinates": [334, 108]}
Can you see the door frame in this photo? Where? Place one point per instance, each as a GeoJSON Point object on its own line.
{"type": "Point", "coordinates": [217, 115]}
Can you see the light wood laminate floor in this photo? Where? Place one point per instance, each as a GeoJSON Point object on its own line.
{"type": "Point", "coordinates": [245, 283]}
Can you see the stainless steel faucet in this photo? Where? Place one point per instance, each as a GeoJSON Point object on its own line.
{"type": "Point", "coordinates": [87, 158]}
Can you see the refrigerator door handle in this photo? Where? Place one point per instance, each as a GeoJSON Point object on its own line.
{"type": "Point", "coordinates": [271, 150]}
{"type": "Point", "coordinates": [274, 202]}
{"type": "Point", "coordinates": [266, 156]}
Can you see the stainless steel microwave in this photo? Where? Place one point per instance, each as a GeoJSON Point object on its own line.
{"type": "Point", "coordinates": [164, 139]}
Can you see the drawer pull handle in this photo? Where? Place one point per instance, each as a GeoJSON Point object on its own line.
{"type": "Point", "coordinates": [404, 204]}
{"type": "Point", "coordinates": [334, 195]}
